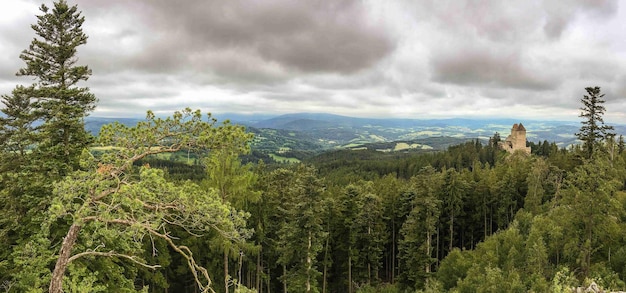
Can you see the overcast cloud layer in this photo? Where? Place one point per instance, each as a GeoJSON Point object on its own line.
{"type": "Point", "coordinates": [412, 59]}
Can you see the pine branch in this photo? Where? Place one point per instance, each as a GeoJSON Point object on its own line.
{"type": "Point", "coordinates": [113, 254]}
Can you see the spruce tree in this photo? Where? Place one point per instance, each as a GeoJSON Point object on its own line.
{"type": "Point", "coordinates": [593, 129]}
{"type": "Point", "coordinates": [301, 238]}
{"type": "Point", "coordinates": [42, 130]}
{"type": "Point", "coordinates": [416, 245]}
{"type": "Point", "coordinates": [57, 100]}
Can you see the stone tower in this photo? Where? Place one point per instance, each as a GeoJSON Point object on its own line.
{"type": "Point", "coordinates": [516, 141]}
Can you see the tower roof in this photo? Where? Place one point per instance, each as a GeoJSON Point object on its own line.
{"type": "Point", "coordinates": [521, 127]}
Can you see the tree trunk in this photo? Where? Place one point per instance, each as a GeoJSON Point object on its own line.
{"type": "Point", "coordinates": [269, 274]}
{"type": "Point", "coordinates": [56, 283]}
{"type": "Point", "coordinates": [393, 248]}
{"type": "Point", "coordinates": [226, 269]}
{"type": "Point", "coordinates": [485, 221]}
{"type": "Point", "coordinates": [240, 267]}
{"type": "Point", "coordinates": [285, 279]}
{"type": "Point", "coordinates": [309, 265]}
{"type": "Point", "coordinates": [249, 279]}
{"type": "Point", "coordinates": [349, 271]}
{"type": "Point", "coordinates": [428, 251]}
{"type": "Point", "coordinates": [325, 263]}
{"type": "Point", "coordinates": [259, 269]}
{"type": "Point", "coordinates": [369, 266]}
{"type": "Point", "coordinates": [438, 255]}
{"type": "Point", "coordinates": [451, 231]}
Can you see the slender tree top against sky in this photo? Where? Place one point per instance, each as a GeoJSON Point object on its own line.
{"type": "Point", "coordinates": [593, 129]}
{"type": "Point", "coordinates": [359, 58]}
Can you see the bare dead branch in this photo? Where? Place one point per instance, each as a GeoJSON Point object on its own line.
{"type": "Point", "coordinates": [113, 254]}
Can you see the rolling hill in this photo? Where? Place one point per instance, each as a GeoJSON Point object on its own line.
{"type": "Point", "coordinates": [308, 133]}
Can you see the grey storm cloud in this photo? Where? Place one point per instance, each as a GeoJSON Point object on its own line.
{"type": "Point", "coordinates": [558, 14]}
{"type": "Point", "coordinates": [256, 37]}
{"type": "Point", "coordinates": [475, 67]}
{"type": "Point", "coordinates": [514, 50]}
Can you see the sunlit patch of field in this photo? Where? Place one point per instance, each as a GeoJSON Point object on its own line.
{"type": "Point", "coordinates": [352, 145]}
{"type": "Point", "coordinates": [278, 158]}
{"type": "Point", "coordinates": [405, 146]}
{"type": "Point", "coordinates": [377, 137]}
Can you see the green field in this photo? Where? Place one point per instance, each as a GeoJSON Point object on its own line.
{"type": "Point", "coordinates": [280, 159]}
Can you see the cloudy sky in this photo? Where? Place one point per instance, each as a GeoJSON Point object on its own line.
{"type": "Point", "coordinates": [412, 59]}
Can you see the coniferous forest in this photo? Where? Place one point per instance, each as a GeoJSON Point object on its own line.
{"type": "Point", "coordinates": [106, 213]}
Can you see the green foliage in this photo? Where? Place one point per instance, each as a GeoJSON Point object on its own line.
{"type": "Point", "coordinates": [453, 194]}
{"type": "Point", "coordinates": [431, 286]}
{"type": "Point", "coordinates": [454, 268]}
{"type": "Point", "coordinates": [243, 289]}
{"type": "Point", "coordinates": [489, 279]}
{"type": "Point", "coordinates": [605, 277]}
{"type": "Point", "coordinates": [382, 288]}
{"type": "Point", "coordinates": [417, 244]}
{"type": "Point", "coordinates": [229, 178]}
{"type": "Point", "coordinates": [302, 235]}
{"type": "Point", "coordinates": [115, 207]}
{"type": "Point", "coordinates": [42, 133]}
{"type": "Point", "coordinates": [593, 129]}
{"type": "Point", "coordinates": [32, 260]}
{"type": "Point", "coordinates": [233, 183]}
{"type": "Point", "coordinates": [17, 133]}
{"type": "Point", "coordinates": [51, 59]}
{"type": "Point", "coordinates": [81, 280]}
{"type": "Point", "coordinates": [563, 281]}
{"type": "Point", "coordinates": [592, 210]}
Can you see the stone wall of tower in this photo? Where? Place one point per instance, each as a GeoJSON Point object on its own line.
{"type": "Point", "coordinates": [516, 141]}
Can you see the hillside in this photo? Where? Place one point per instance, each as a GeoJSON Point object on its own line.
{"type": "Point", "coordinates": [292, 137]}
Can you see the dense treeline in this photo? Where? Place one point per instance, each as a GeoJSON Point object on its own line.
{"type": "Point", "coordinates": [173, 205]}
{"type": "Point", "coordinates": [521, 221]}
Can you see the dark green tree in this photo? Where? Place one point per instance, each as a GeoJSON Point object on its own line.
{"type": "Point", "coordinates": [58, 101]}
{"type": "Point", "coordinates": [370, 236]}
{"type": "Point", "coordinates": [388, 187]}
{"type": "Point", "coordinates": [590, 211]}
{"type": "Point", "coordinates": [416, 246]}
{"type": "Point", "coordinates": [453, 195]}
{"type": "Point", "coordinates": [42, 134]}
{"type": "Point", "coordinates": [302, 237]}
{"type": "Point", "coordinates": [16, 137]}
{"type": "Point", "coordinates": [352, 203]}
{"type": "Point", "coordinates": [593, 129]}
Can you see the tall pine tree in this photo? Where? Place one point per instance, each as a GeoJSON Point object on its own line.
{"type": "Point", "coordinates": [57, 100]}
{"type": "Point", "coordinates": [42, 132]}
{"type": "Point", "coordinates": [593, 129]}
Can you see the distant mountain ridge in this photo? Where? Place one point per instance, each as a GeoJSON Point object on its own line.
{"type": "Point", "coordinates": [280, 121]}
{"type": "Point", "coordinates": [322, 131]}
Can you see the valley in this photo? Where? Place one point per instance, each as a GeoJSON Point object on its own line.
{"type": "Point", "coordinates": [293, 137]}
